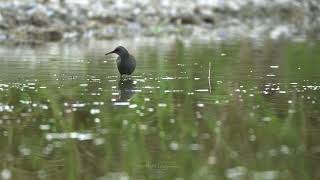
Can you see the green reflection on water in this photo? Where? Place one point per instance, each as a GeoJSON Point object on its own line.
{"type": "Point", "coordinates": [65, 113]}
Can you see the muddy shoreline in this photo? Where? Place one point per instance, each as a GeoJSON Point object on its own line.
{"type": "Point", "coordinates": [56, 21]}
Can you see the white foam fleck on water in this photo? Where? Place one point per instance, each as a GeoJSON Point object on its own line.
{"type": "Point", "coordinates": [98, 141]}
{"type": "Point", "coordinates": [173, 91]}
{"type": "Point", "coordinates": [172, 120]}
{"type": "Point", "coordinates": [282, 92]}
{"type": "Point", "coordinates": [96, 103]}
{"type": "Point", "coordinates": [115, 94]}
{"type": "Point", "coordinates": [198, 115]}
{"type": "Point", "coordinates": [148, 87]}
{"type": "Point", "coordinates": [266, 119]}
{"type": "Point", "coordinates": [4, 85]}
{"type": "Point", "coordinates": [291, 111]}
{"type": "Point", "coordinates": [94, 111]}
{"type": "Point", "coordinates": [143, 127]}
{"type": "Point", "coordinates": [78, 105]}
{"type": "Point", "coordinates": [266, 175]}
{"type": "Point", "coordinates": [271, 75]}
{"type": "Point", "coordinates": [96, 120]}
{"type": "Point", "coordinates": [223, 54]}
{"type": "Point", "coordinates": [272, 152]}
{"type": "Point", "coordinates": [252, 137]}
{"type": "Point", "coordinates": [96, 79]}
{"type": "Point", "coordinates": [125, 122]}
{"type": "Point", "coordinates": [25, 102]}
{"type": "Point", "coordinates": [43, 87]}
{"type": "Point", "coordinates": [43, 106]}
{"type": "Point", "coordinates": [167, 78]}
{"type": "Point", "coordinates": [212, 160]}
{"type": "Point", "coordinates": [195, 147]}
{"type": "Point", "coordinates": [44, 127]}
{"type": "Point", "coordinates": [5, 174]}
{"type": "Point", "coordinates": [196, 79]}
{"type": "Point", "coordinates": [274, 67]}
{"type": "Point", "coordinates": [202, 90]}
{"type": "Point", "coordinates": [150, 109]}
{"type": "Point", "coordinates": [124, 177]}
{"type": "Point", "coordinates": [200, 105]}
{"type": "Point", "coordinates": [25, 151]}
{"type": "Point", "coordinates": [236, 172]}
{"type": "Point", "coordinates": [290, 101]}
{"type": "Point", "coordinates": [83, 85]}
{"type": "Point", "coordinates": [132, 106]}
{"type": "Point", "coordinates": [5, 108]}
{"type": "Point", "coordinates": [162, 105]}
{"type": "Point", "coordinates": [121, 104]}
{"type": "Point", "coordinates": [174, 146]}
{"type": "Point", "coordinates": [73, 135]}
{"type": "Point", "coordinates": [285, 149]}
{"type": "Point", "coordinates": [84, 137]}
{"type": "Point", "coordinates": [70, 135]}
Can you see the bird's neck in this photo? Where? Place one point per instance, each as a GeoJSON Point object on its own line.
{"type": "Point", "coordinates": [125, 56]}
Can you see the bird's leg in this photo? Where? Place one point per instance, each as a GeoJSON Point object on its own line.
{"type": "Point", "coordinates": [124, 76]}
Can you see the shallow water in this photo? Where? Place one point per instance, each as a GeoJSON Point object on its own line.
{"type": "Point", "coordinates": [192, 110]}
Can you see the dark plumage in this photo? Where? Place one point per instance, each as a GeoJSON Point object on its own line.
{"type": "Point", "coordinates": [126, 63]}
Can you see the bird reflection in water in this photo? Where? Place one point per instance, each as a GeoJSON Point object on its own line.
{"type": "Point", "coordinates": [126, 88]}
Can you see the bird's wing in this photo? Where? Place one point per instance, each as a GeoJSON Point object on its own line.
{"type": "Point", "coordinates": [133, 59]}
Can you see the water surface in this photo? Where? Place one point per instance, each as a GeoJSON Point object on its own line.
{"type": "Point", "coordinates": [192, 110]}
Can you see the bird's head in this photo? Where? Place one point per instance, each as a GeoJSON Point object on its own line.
{"type": "Point", "coordinates": [120, 50]}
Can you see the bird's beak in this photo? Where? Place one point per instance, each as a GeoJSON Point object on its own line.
{"type": "Point", "coordinates": [110, 52]}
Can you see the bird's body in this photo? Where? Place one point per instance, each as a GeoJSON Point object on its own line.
{"type": "Point", "coordinates": [126, 66]}
{"type": "Point", "coordinates": [126, 63]}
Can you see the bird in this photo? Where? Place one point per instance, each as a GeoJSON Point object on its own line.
{"type": "Point", "coordinates": [126, 63]}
